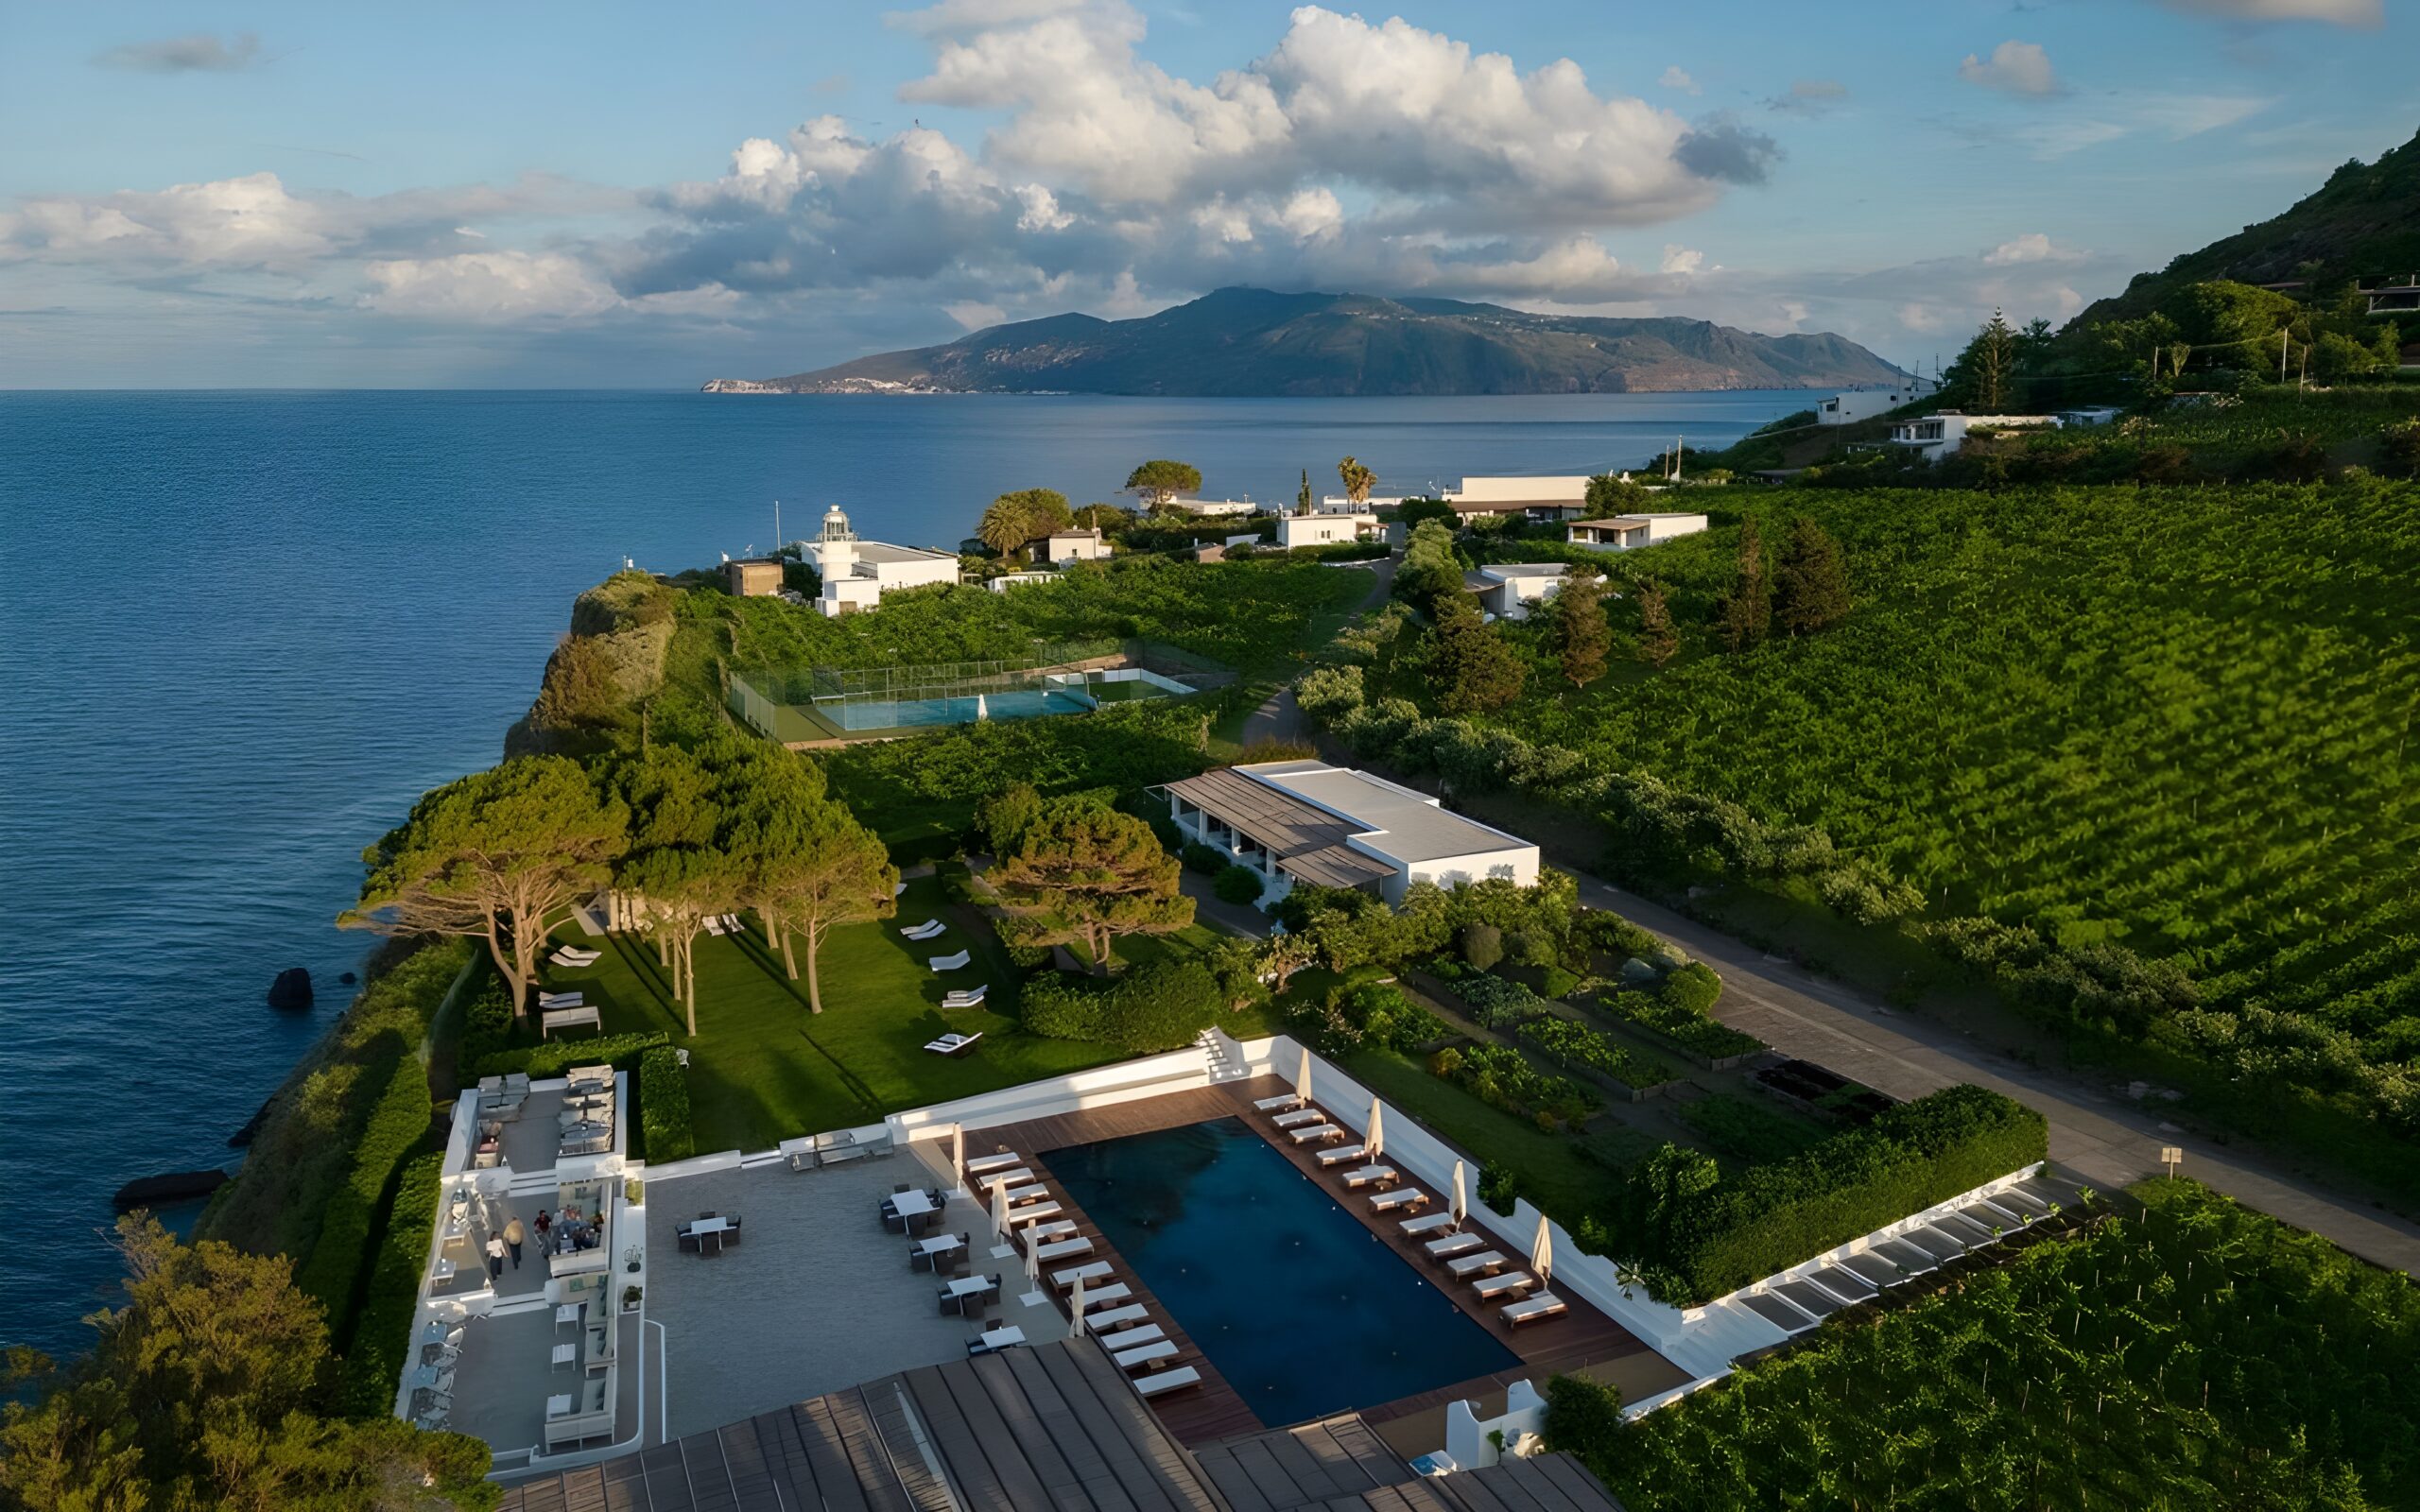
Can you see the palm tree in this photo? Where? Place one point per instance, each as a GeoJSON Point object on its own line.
{"type": "Point", "coordinates": [1357, 480]}
{"type": "Point", "coordinates": [1006, 525]}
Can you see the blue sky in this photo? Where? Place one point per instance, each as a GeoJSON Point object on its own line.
{"type": "Point", "coordinates": [450, 195]}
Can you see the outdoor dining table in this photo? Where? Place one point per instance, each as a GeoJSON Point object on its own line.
{"type": "Point", "coordinates": [940, 1245]}
{"type": "Point", "coordinates": [1000, 1338]}
{"type": "Point", "coordinates": [910, 1204]}
{"type": "Point", "coordinates": [966, 1286]}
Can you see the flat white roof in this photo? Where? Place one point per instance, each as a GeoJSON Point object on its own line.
{"type": "Point", "coordinates": [872, 551]}
{"type": "Point", "coordinates": [1392, 822]}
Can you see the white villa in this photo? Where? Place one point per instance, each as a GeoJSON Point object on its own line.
{"type": "Point", "coordinates": [1341, 504]}
{"type": "Point", "coordinates": [1864, 403]}
{"type": "Point", "coordinates": [1507, 589]}
{"type": "Point", "coordinates": [1558, 498]}
{"type": "Point", "coordinates": [1212, 508]}
{"type": "Point", "coordinates": [1333, 827]}
{"type": "Point", "coordinates": [1064, 546]}
{"type": "Point", "coordinates": [857, 573]}
{"type": "Point", "coordinates": [1008, 580]}
{"type": "Point", "coordinates": [1934, 437]}
{"type": "Point", "coordinates": [1628, 532]}
{"type": "Point", "coordinates": [1328, 529]}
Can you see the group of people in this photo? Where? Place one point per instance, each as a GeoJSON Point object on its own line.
{"type": "Point", "coordinates": [565, 1231]}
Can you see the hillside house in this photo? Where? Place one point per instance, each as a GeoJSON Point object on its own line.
{"type": "Point", "coordinates": [1534, 498]}
{"type": "Point", "coordinates": [1511, 590]}
{"type": "Point", "coordinates": [1060, 547]}
{"type": "Point", "coordinates": [1628, 532]}
{"type": "Point", "coordinates": [1865, 404]}
{"type": "Point", "coordinates": [1212, 508]}
{"type": "Point", "coordinates": [754, 578]}
{"type": "Point", "coordinates": [1934, 437]}
{"type": "Point", "coordinates": [1328, 529]}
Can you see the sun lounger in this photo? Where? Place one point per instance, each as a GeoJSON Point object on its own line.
{"type": "Point", "coordinates": [1034, 1191]}
{"type": "Point", "coordinates": [1160, 1383]}
{"type": "Point", "coordinates": [1147, 1355]}
{"type": "Point", "coordinates": [1452, 1245]}
{"type": "Point", "coordinates": [731, 923]}
{"type": "Point", "coordinates": [1066, 1249]}
{"type": "Point", "coordinates": [1045, 1233]}
{"type": "Point", "coordinates": [550, 1020]}
{"type": "Point", "coordinates": [1314, 1133]}
{"type": "Point", "coordinates": [1107, 1295]}
{"type": "Point", "coordinates": [1411, 1198]}
{"type": "Point", "coordinates": [1369, 1175]}
{"type": "Point", "coordinates": [988, 1179]}
{"type": "Point", "coordinates": [953, 1044]}
{"type": "Point", "coordinates": [965, 1000]}
{"type": "Point", "coordinates": [713, 926]}
{"type": "Point", "coordinates": [1486, 1262]}
{"type": "Point", "coordinates": [1512, 1283]}
{"type": "Point", "coordinates": [950, 963]}
{"type": "Point", "coordinates": [898, 887]}
{"type": "Point", "coordinates": [991, 1162]}
{"type": "Point", "coordinates": [561, 1000]}
{"type": "Point", "coordinates": [1278, 1104]}
{"type": "Point", "coordinates": [568, 956]}
{"type": "Point", "coordinates": [1544, 1305]}
{"type": "Point", "coordinates": [1427, 1224]}
{"type": "Point", "coordinates": [923, 931]}
{"type": "Point", "coordinates": [1129, 1338]}
{"type": "Point", "coordinates": [1087, 1274]}
{"type": "Point", "coordinates": [1034, 1213]}
{"type": "Point", "coordinates": [1300, 1118]}
{"type": "Point", "coordinates": [1340, 1154]}
{"type": "Point", "coordinates": [1118, 1316]}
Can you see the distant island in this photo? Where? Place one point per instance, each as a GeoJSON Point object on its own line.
{"type": "Point", "coordinates": [1245, 343]}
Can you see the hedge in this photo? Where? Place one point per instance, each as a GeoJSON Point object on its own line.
{"type": "Point", "coordinates": [663, 1107]}
{"type": "Point", "coordinates": [382, 1333]}
{"type": "Point", "coordinates": [556, 1056]}
{"type": "Point", "coordinates": [1163, 1005]}
{"type": "Point", "coordinates": [333, 1271]}
{"type": "Point", "coordinates": [1701, 1236]}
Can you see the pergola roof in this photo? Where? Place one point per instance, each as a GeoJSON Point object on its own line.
{"type": "Point", "coordinates": [1308, 842]}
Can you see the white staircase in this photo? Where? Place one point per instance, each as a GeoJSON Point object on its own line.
{"type": "Point", "coordinates": [1221, 1057]}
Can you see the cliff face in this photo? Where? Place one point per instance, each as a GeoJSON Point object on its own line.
{"type": "Point", "coordinates": [1253, 342]}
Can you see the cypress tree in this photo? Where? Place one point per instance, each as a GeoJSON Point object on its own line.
{"type": "Point", "coordinates": [1582, 637]}
{"type": "Point", "coordinates": [1745, 616]}
{"type": "Point", "coordinates": [1811, 588]}
{"type": "Point", "coordinates": [1658, 641]}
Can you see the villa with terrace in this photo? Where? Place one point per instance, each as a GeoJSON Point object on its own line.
{"type": "Point", "coordinates": [1334, 827]}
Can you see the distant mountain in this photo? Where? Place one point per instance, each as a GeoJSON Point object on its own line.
{"type": "Point", "coordinates": [1252, 342]}
{"type": "Point", "coordinates": [2365, 220]}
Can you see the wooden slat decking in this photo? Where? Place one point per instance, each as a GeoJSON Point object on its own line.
{"type": "Point", "coordinates": [1213, 1411]}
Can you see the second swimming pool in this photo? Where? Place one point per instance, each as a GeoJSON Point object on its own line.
{"type": "Point", "coordinates": [1302, 1308]}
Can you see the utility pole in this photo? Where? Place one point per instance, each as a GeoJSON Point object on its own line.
{"type": "Point", "coordinates": [2283, 336]}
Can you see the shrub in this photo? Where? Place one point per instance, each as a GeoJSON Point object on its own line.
{"type": "Point", "coordinates": [1206, 859]}
{"type": "Point", "coordinates": [554, 1057]}
{"type": "Point", "coordinates": [1576, 1044]}
{"type": "Point", "coordinates": [1499, 1187]}
{"type": "Point", "coordinates": [1558, 983]}
{"type": "Point", "coordinates": [1500, 1077]}
{"type": "Point", "coordinates": [1699, 1236]}
{"type": "Point", "coordinates": [341, 1256]}
{"type": "Point", "coordinates": [1693, 988]}
{"type": "Point", "coordinates": [486, 1022]}
{"type": "Point", "coordinates": [1679, 1010]}
{"type": "Point", "coordinates": [1497, 1004]}
{"type": "Point", "coordinates": [382, 1333]}
{"type": "Point", "coordinates": [1482, 945]}
{"type": "Point", "coordinates": [663, 1107]}
{"type": "Point", "coordinates": [1162, 1005]}
{"type": "Point", "coordinates": [1239, 885]}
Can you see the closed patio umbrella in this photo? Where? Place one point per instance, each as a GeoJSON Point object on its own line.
{"type": "Point", "coordinates": [958, 1157]}
{"type": "Point", "coordinates": [1374, 1138]}
{"type": "Point", "coordinates": [1076, 1308]}
{"type": "Point", "coordinates": [1034, 1261]}
{"type": "Point", "coordinates": [1000, 1209]}
{"type": "Point", "coordinates": [1461, 1197]}
{"type": "Point", "coordinates": [1541, 1251]}
{"type": "Point", "coordinates": [1302, 1075]}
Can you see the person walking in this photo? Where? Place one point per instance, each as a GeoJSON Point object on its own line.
{"type": "Point", "coordinates": [513, 1235]}
{"type": "Point", "coordinates": [495, 1258]}
{"type": "Point", "coordinates": [543, 1221]}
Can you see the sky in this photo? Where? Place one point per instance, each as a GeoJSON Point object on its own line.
{"type": "Point", "coordinates": [544, 194]}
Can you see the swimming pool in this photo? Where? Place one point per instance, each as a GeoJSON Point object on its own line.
{"type": "Point", "coordinates": [1302, 1309]}
{"type": "Point", "coordinates": [1057, 692]}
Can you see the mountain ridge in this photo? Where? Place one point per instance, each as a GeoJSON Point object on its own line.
{"type": "Point", "coordinates": [1247, 342]}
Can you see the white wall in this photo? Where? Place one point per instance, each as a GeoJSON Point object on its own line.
{"type": "Point", "coordinates": [1500, 490]}
{"type": "Point", "coordinates": [1324, 529]}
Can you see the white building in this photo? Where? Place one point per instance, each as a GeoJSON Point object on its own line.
{"type": "Point", "coordinates": [1558, 498]}
{"type": "Point", "coordinates": [1212, 508]}
{"type": "Point", "coordinates": [1008, 580]}
{"type": "Point", "coordinates": [1628, 532]}
{"type": "Point", "coordinates": [1328, 529]}
{"type": "Point", "coordinates": [857, 573]}
{"type": "Point", "coordinates": [1509, 589]}
{"type": "Point", "coordinates": [1340, 503]}
{"type": "Point", "coordinates": [1333, 827]}
{"type": "Point", "coordinates": [1060, 547]}
{"type": "Point", "coordinates": [1864, 403]}
{"type": "Point", "coordinates": [1934, 437]}
{"type": "Point", "coordinates": [2089, 414]}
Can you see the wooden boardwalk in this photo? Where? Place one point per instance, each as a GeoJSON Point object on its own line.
{"type": "Point", "coordinates": [1580, 1339]}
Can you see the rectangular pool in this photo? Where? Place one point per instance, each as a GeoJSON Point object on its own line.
{"type": "Point", "coordinates": [1303, 1310]}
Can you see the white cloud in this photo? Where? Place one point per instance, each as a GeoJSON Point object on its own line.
{"type": "Point", "coordinates": [2034, 246]}
{"type": "Point", "coordinates": [2183, 115]}
{"type": "Point", "coordinates": [2070, 303]}
{"type": "Point", "coordinates": [200, 53]}
{"type": "Point", "coordinates": [1793, 314]}
{"type": "Point", "coordinates": [2052, 140]}
{"type": "Point", "coordinates": [1675, 77]}
{"type": "Point", "coordinates": [1917, 318]}
{"type": "Point", "coordinates": [973, 314]}
{"type": "Point", "coordinates": [2362, 13]}
{"type": "Point", "coordinates": [2015, 68]}
{"type": "Point", "coordinates": [1680, 259]}
{"type": "Point", "coordinates": [487, 286]}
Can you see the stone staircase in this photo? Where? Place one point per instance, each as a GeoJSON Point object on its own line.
{"type": "Point", "coordinates": [1221, 1057]}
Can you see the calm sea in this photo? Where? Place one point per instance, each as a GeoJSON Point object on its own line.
{"type": "Point", "coordinates": [240, 632]}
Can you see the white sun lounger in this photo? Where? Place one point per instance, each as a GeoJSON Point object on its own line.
{"type": "Point", "coordinates": [1340, 1154]}
{"type": "Point", "coordinates": [1128, 1338]}
{"type": "Point", "coordinates": [550, 1020]}
{"type": "Point", "coordinates": [1427, 1224]}
{"type": "Point", "coordinates": [1044, 1233]}
{"type": "Point", "coordinates": [1106, 1296]}
{"type": "Point", "coordinates": [1118, 1316]}
{"type": "Point", "coordinates": [1299, 1117]}
{"type": "Point", "coordinates": [923, 931]}
{"type": "Point", "coordinates": [1160, 1383]}
{"type": "Point", "coordinates": [898, 887]}
{"type": "Point", "coordinates": [1546, 1304]}
{"type": "Point", "coordinates": [561, 1000]}
{"type": "Point", "coordinates": [1087, 1274]}
{"type": "Point", "coordinates": [992, 1177]}
{"type": "Point", "coordinates": [1452, 1245]}
{"type": "Point", "coordinates": [1369, 1175]}
{"type": "Point", "coordinates": [1278, 1104]}
{"type": "Point", "coordinates": [714, 926]}
{"type": "Point", "coordinates": [1136, 1358]}
{"type": "Point", "coordinates": [1314, 1133]}
{"type": "Point", "coordinates": [1401, 1197]}
{"type": "Point", "coordinates": [1034, 1213]}
{"type": "Point", "coordinates": [991, 1162]}
{"type": "Point", "coordinates": [953, 1044]}
{"type": "Point", "coordinates": [1066, 1249]}
{"type": "Point", "coordinates": [1486, 1262]}
{"type": "Point", "coordinates": [1035, 1192]}
{"type": "Point", "coordinates": [950, 963]}
{"type": "Point", "coordinates": [732, 923]}
{"type": "Point", "coordinates": [574, 958]}
{"type": "Point", "coordinates": [1514, 1281]}
{"type": "Point", "coordinates": [966, 999]}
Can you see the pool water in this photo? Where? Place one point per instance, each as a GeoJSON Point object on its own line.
{"type": "Point", "coordinates": [1303, 1310]}
{"type": "Point", "coordinates": [1024, 703]}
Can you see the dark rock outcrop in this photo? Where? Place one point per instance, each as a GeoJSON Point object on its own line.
{"type": "Point", "coordinates": [174, 1186]}
{"type": "Point", "coordinates": [291, 991]}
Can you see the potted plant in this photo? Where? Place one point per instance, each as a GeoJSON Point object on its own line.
{"type": "Point", "coordinates": [630, 1298]}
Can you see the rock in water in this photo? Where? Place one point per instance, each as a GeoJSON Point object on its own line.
{"type": "Point", "coordinates": [176, 1186]}
{"type": "Point", "coordinates": [291, 990]}
{"type": "Point", "coordinates": [347, 978]}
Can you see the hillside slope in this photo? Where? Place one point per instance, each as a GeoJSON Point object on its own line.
{"type": "Point", "coordinates": [1244, 342]}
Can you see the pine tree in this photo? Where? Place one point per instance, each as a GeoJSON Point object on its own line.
{"type": "Point", "coordinates": [1987, 369]}
{"type": "Point", "coordinates": [1469, 665]}
{"type": "Point", "coordinates": [1811, 586]}
{"type": "Point", "coordinates": [1745, 616]}
{"type": "Point", "coordinates": [1582, 637]}
{"type": "Point", "coordinates": [1658, 642]}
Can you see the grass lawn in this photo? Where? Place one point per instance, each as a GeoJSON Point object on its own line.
{"type": "Point", "coordinates": [762, 1069]}
{"type": "Point", "coordinates": [1553, 1173]}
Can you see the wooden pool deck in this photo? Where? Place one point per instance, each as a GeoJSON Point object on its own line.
{"type": "Point", "coordinates": [1580, 1340]}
